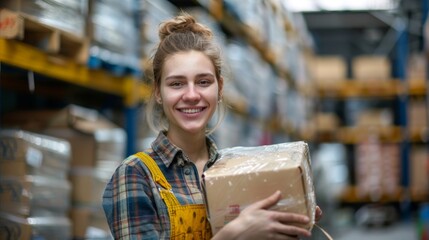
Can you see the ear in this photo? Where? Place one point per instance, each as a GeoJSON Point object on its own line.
{"type": "Point", "coordinates": [220, 87]}
{"type": "Point", "coordinates": [158, 98]}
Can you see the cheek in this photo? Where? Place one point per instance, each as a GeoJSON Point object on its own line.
{"type": "Point", "coordinates": [170, 98]}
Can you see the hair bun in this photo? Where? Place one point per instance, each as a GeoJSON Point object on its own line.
{"type": "Point", "coordinates": [182, 24]}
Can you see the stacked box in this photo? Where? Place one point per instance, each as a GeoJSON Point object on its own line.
{"type": "Point", "coordinates": [377, 169]}
{"type": "Point", "coordinates": [48, 228]}
{"type": "Point", "coordinates": [113, 33]}
{"type": "Point", "coordinates": [375, 118]}
{"type": "Point", "coordinates": [152, 14]}
{"type": "Point", "coordinates": [97, 146]}
{"type": "Point", "coordinates": [419, 172]}
{"type": "Point", "coordinates": [416, 68]}
{"type": "Point", "coordinates": [328, 72]}
{"type": "Point", "coordinates": [69, 16]}
{"type": "Point", "coordinates": [35, 191]}
{"type": "Point", "coordinates": [417, 115]}
{"type": "Point", "coordinates": [371, 68]}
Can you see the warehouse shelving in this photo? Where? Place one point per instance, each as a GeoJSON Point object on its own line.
{"type": "Point", "coordinates": [350, 135]}
{"type": "Point", "coordinates": [25, 56]}
{"type": "Point", "coordinates": [130, 89]}
{"type": "Point", "coordinates": [388, 89]}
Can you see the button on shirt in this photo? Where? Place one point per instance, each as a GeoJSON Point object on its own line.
{"type": "Point", "coordinates": [131, 200]}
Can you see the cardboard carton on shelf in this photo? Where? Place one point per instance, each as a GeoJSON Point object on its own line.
{"type": "Point", "coordinates": [371, 68]}
{"type": "Point", "coordinates": [419, 182]}
{"type": "Point", "coordinates": [27, 153]}
{"type": "Point", "coordinates": [85, 129]}
{"type": "Point", "coordinates": [97, 147]}
{"type": "Point", "coordinates": [328, 72]}
{"type": "Point", "coordinates": [31, 196]}
{"type": "Point", "coordinates": [44, 227]}
{"type": "Point", "coordinates": [244, 175]}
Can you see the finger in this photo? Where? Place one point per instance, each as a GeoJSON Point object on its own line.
{"type": "Point", "coordinates": [286, 217]}
{"type": "Point", "coordinates": [267, 202]}
{"type": "Point", "coordinates": [291, 230]}
{"type": "Point", "coordinates": [282, 236]}
{"type": "Point", "coordinates": [319, 213]}
{"type": "Point", "coordinates": [286, 237]}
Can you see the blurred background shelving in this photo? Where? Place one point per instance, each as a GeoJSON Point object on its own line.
{"type": "Point", "coordinates": [350, 81]}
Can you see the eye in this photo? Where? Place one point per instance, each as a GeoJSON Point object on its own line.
{"type": "Point", "coordinates": [204, 82]}
{"type": "Point", "coordinates": [176, 84]}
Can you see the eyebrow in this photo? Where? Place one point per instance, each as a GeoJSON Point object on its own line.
{"type": "Point", "coordinates": [200, 75]}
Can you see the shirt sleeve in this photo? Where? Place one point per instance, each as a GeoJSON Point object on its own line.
{"type": "Point", "coordinates": [129, 206]}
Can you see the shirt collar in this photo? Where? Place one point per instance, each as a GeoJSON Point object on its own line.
{"type": "Point", "coordinates": [167, 151]}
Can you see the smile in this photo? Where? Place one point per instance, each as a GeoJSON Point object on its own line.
{"type": "Point", "coordinates": [191, 110]}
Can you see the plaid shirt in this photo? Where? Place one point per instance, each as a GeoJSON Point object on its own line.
{"type": "Point", "coordinates": [131, 201]}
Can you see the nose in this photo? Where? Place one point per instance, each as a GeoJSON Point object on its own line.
{"type": "Point", "coordinates": [191, 93]}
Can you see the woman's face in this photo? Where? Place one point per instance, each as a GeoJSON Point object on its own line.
{"type": "Point", "coordinates": [189, 91]}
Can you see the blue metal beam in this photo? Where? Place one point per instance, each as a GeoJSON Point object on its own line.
{"type": "Point", "coordinates": [131, 118]}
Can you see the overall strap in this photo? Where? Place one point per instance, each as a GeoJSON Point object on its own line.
{"type": "Point", "coordinates": [159, 178]}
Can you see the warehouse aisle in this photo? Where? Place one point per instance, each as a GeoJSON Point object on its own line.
{"type": "Point", "coordinates": [398, 231]}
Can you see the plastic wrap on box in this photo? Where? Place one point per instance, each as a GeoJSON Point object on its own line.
{"type": "Point", "coordinates": [24, 152]}
{"type": "Point", "coordinates": [110, 144]}
{"type": "Point", "coordinates": [66, 15]}
{"type": "Point", "coordinates": [34, 196]}
{"type": "Point", "coordinates": [244, 175]}
{"type": "Point", "coordinates": [90, 223]}
{"type": "Point", "coordinates": [89, 183]}
{"type": "Point", "coordinates": [47, 228]}
{"type": "Point", "coordinates": [153, 13]}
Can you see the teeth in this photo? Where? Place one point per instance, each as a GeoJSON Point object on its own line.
{"type": "Point", "coordinates": [193, 110]}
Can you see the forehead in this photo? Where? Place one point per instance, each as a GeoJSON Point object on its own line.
{"type": "Point", "coordinates": [184, 63]}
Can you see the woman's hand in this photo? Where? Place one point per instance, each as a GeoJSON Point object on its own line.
{"type": "Point", "coordinates": [258, 222]}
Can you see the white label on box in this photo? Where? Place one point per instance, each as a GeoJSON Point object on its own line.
{"type": "Point", "coordinates": [34, 157]}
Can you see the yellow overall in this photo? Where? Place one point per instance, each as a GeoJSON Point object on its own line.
{"type": "Point", "coordinates": [187, 221]}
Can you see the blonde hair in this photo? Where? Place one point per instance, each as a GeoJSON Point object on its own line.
{"type": "Point", "coordinates": [181, 34]}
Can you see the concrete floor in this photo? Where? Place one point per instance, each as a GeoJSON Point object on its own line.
{"type": "Point", "coordinates": [397, 231]}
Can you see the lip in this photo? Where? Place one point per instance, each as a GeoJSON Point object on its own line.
{"type": "Point", "coordinates": [191, 110]}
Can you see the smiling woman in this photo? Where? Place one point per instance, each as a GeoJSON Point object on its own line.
{"type": "Point", "coordinates": [189, 95]}
{"type": "Point", "coordinates": [156, 194]}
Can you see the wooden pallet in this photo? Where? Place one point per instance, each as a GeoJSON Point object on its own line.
{"type": "Point", "coordinates": [25, 28]}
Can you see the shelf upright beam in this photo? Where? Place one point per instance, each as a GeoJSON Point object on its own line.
{"type": "Point", "coordinates": [425, 50]}
{"type": "Point", "coordinates": [131, 128]}
{"type": "Point", "coordinates": [400, 66]}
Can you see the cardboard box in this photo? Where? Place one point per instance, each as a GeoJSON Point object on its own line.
{"type": "Point", "coordinates": [377, 169]}
{"type": "Point", "coordinates": [33, 196]}
{"type": "Point", "coordinates": [87, 221]}
{"type": "Point", "coordinates": [244, 175]}
{"type": "Point", "coordinates": [328, 72]}
{"type": "Point", "coordinates": [417, 114]}
{"type": "Point", "coordinates": [419, 172]}
{"type": "Point", "coordinates": [24, 152]}
{"type": "Point", "coordinates": [371, 68]}
{"type": "Point", "coordinates": [88, 133]}
{"type": "Point", "coordinates": [13, 227]}
{"type": "Point", "coordinates": [97, 148]}
{"type": "Point", "coordinates": [47, 227]}
{"type": "Point", "coordinates": [326, 122]}
{"type": "Point", "coordinates": [69, 16]}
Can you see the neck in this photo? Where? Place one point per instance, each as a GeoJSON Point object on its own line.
{"type": "Point", "coordinates": [194, 145]}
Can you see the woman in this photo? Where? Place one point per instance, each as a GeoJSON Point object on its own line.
{"type": "Point", "coordinates": [157, 194]}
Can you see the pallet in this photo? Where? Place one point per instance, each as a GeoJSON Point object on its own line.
{"type": "Point", "coordinates": [115, 68]}
{"type": "Point", "coordinates": [28, 29]}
